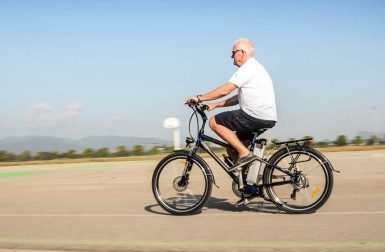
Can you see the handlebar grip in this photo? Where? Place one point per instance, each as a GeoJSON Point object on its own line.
{"type": "Point", "coordinates": [192, 101]}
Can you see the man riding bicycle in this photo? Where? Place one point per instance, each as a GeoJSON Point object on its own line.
{"type": "Point", "coordinates": [255, 97]}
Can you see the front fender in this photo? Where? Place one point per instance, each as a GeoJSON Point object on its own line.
{"type": "Point", "coordinates": [202, 161]}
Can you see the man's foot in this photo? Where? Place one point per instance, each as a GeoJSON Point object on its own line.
{"type": "Point", "coordinates": [243, 160]}
{"type": "Point", "coordinates": [243, 201]}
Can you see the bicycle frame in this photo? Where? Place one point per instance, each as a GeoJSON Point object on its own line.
{"type": "Point", "coordinates": [200, 143]}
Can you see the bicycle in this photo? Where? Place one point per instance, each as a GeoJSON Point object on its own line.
{"type": "Point", "coordinates": [296, 178]}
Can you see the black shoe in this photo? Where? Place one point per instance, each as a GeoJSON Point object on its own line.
{"type": "Point", "coordinates": [244, 160]}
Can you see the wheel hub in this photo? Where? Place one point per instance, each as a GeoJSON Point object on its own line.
{"type": "Point", "coordinates": [302, 182]}
{"type": "Point", "coordinates": [179, 185]}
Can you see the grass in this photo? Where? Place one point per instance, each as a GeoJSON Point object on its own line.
{"type": "Point", "coordinates": [16, 174]}
{"type": "Point", "coordinates": [160, 156]}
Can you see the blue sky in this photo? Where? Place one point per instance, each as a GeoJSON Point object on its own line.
{"type": "Point", "coordinates": [81, 68]}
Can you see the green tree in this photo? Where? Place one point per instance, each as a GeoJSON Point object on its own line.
{"type": "Point", "coordinates": [37, 156]}
{"type": "Point", "coordinates": [103, 152]}
{"type": "Point", "coordinates": [5, 156]}
{"type": "Point", "coordinates": [322, 143]}
{"type": "Point", "coordinates": [25, 156]}
{"type": "Point", "coordinates": [341, 140]}
{"type": "Point", "coordinates": [138, 150]}
{"type": "Point", "coordinates": [88, 153]}
{"type": "Point", "coordinates": [55, 155]}
{"type": "Point", "coordinates": [373, 140]}
{"type": "Point", "coordinates": [12, 157]}
{"type": "Point", "coordinates": [357, 140]}
{"type": "Point", "coordinates": [155, 150]}
{"type": "Point", "coordinates": [71, 154]}
{"type": "Point", "coordinates": [43, 155]}
{"type": "Point", "coordinates": [122, 151]}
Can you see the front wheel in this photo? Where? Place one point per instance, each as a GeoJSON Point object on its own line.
{"type": "Point", "coordinates": [313, 186]}
{"type": "Point", "coordinates": [181, 184]}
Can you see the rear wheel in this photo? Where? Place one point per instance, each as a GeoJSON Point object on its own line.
{"type": "Point", "coordinates": [313, 186]}
{"type": "Point", "coordinates": [174, 192]}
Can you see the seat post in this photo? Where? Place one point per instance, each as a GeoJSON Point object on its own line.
{"type": "Point", "coordinates": [258, 133]}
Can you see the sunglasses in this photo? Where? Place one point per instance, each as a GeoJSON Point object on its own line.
{"type": "Point", "coordinates": [234, 52]}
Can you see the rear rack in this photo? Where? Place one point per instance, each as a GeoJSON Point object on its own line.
{"type": "Point", "coordinates": [307, 142]}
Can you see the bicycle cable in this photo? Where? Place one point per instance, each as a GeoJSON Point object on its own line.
{"type": "Point", "coordinates": [189, 124]}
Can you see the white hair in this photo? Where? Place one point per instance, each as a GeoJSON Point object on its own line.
{"type": "Point", "coordinates": [246, 45]}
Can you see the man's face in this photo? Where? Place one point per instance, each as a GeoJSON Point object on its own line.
{"type": "Point", "coordinates": [238, 56]}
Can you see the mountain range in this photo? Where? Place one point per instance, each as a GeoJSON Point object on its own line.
{"type": "Point", "coordinates": [46, 143]}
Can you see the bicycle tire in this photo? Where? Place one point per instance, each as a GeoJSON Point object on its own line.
{"type": "Point", "coordinates": [181, 203]}
{"type": "Point", "coordinates": [314, 188]}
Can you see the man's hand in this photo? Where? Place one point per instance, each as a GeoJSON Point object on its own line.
{"type": "Point", "coordinates": [193, 100]}
{"type": "Point", "coordinates": [211, 106]}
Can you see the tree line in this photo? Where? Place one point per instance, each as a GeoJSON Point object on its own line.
{"type": "Point", "coordinates": [139, 150]}
{"type": "Point", "coordinates": [121, 151]}
{"type": "Point", "coordinates": [343, 140]}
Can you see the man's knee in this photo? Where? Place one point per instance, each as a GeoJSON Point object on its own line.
{"type": "Point", "coordinates": [213, 123]}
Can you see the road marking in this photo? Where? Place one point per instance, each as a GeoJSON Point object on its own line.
{"type": "Point", "coordinates": [200, 215]}
{"type": "Point", "coordinates": [198, 244]}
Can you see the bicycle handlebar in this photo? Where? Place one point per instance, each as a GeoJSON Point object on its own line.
{"type": "Point", "coordinates": [200, 107]}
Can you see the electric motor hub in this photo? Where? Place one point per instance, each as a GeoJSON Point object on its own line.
{"type": "Point", "coordinates": [179, 185]}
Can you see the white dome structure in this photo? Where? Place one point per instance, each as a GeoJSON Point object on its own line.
{"type": "Point", "coordinates": [173, 123]}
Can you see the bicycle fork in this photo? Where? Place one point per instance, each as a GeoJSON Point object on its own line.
{"type": "Point", "coordinates": [186, 172]}
{"type": "Point", "coordinates": [189, 164]}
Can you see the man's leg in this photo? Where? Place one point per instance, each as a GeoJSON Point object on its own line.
{"type": "Point", "coordinates": [232, 154]}
{"type": "Point", "coordinates": [230, 137]}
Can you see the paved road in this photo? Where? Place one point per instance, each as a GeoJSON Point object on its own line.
{"type": "Point", "coordinates": [110, 207]}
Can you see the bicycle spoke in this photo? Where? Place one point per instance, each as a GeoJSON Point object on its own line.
{"type": "Point", "coordinates": [320, 164]}
{"type": "Point", "coordinates": [175, 196]}
{"type": "Point", "coordinates": [311, 188]}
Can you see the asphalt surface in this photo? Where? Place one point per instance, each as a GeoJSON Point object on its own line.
{"type": "Point", "coordinates": [110, 207]}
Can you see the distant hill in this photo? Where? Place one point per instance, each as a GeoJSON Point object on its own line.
{"type": "Point", "coordinates": [49, 144]}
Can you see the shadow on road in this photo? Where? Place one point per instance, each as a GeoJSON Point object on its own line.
{"type": "Point", "coordinates": [151, 209]}
{"type": "Point", "coordinates": [253, 206]}
{"type": "Point", "coordinates": [224, 205]}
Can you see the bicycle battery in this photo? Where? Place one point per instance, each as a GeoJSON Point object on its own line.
{"type": "Point", "coordinates": [253, 172]}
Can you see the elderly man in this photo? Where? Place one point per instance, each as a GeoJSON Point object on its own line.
{"type": "Point", "coordinates": [255, 97]}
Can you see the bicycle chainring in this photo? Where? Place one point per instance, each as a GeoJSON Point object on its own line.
{"type": "Point", "coordinates": [236, 191]}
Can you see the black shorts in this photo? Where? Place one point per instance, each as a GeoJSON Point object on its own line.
{"type": "Point", "coordinates": [242, 123]}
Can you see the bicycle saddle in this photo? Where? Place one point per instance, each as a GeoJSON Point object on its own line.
{"type": "Point", "coordinates": [259, 131]}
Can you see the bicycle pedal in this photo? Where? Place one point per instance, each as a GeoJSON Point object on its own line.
{"type": "Point", "coordinates": [241, 202]}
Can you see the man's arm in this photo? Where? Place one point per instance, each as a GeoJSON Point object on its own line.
{"type": "Point", "coordinates": [226, 103]}
{"type": "Point", "coordinates": [223, 90]}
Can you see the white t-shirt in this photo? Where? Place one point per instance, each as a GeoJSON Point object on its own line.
{"type": "Point", "coordinates": [255, 90]}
